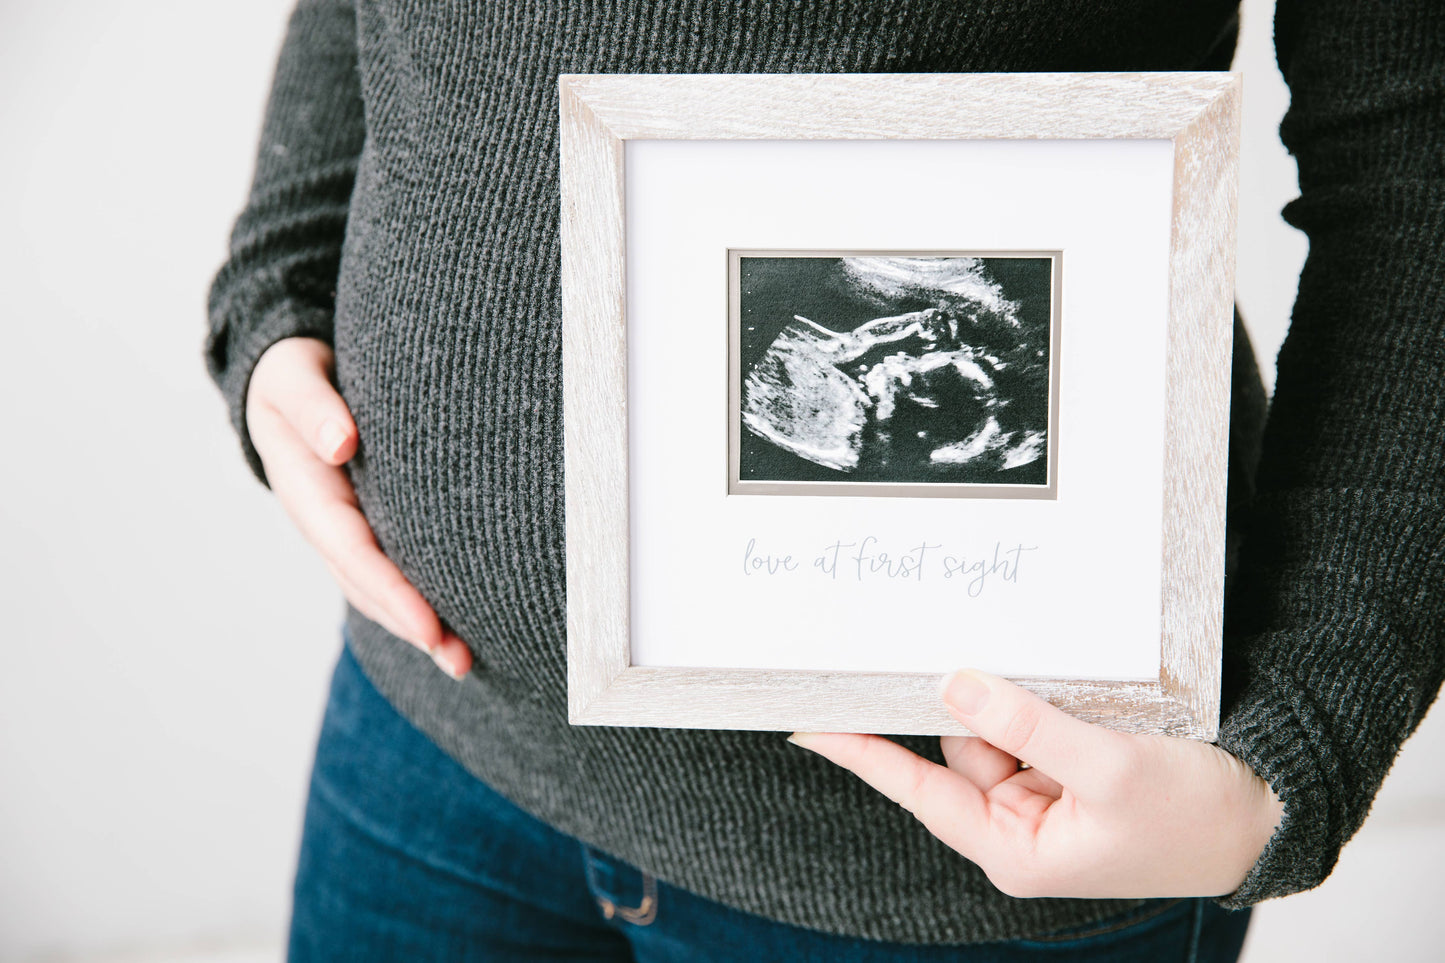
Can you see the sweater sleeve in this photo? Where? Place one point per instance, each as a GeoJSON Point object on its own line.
{"type": "Point", "coordinates": [279, 278]}
{"type": "Point", "coordinates": [1335, 620]}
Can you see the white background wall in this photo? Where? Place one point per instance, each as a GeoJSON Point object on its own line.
{"type": "Point", "coordinates": [168, 635]}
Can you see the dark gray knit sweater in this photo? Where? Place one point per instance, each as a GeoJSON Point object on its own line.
{"type": "Point", "coordinates": [405, 207]}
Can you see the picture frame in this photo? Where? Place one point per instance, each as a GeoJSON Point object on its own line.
{"type": "Point", "coordinates": [1093, 212]}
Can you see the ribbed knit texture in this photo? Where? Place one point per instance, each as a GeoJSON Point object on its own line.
{"type": "Point", "coordinates": [409, 165]}
{"type": "Point", "coordinates": [1335, 622]}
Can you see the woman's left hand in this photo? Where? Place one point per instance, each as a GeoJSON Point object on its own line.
{"type": "Point", "coordinates": [1098, 813]}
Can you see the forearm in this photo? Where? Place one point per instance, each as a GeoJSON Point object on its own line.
{"type": "Point", "coordinates": [1335, 621]}
{"type": "Point", "coordinates": [280, 276]}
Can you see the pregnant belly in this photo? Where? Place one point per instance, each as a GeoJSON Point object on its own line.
{"type": "Point", "coordinates": [454, 381]}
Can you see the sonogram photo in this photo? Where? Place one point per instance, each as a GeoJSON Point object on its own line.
{"type": "Point", "coordinates": [897, 369]}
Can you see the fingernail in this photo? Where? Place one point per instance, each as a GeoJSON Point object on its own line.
{"type": "Point", "coordinates": [333, 436]}
{"type": "Point", "coordinates": [451, 670]}
{"type": "Point", "coordinates": [800, 739]}
{"type": "Point", "coordinates": [965, 692]}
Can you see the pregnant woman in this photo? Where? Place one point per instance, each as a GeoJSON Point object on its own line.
{"type": "Point", "coordinates": [386, 332]}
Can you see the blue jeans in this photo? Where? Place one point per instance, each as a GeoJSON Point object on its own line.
{"type": "Point", "coordinates": [406, 856]}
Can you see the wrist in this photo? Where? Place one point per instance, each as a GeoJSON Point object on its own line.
{"type": "Point", "coordinates": [1270, 812]}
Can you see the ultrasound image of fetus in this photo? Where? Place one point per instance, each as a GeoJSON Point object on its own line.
{"type": "Point", "coordinates": [955, 391]}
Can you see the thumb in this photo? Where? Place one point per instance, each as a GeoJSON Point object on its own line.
{"type": "Point", "coordinates": [1025, 726]}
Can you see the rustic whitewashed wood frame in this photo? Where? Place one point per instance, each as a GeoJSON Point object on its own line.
{"type": "Point", "coordinates": [1198, 112]}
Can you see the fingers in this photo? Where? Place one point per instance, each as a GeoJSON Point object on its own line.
{"type": "Point", "coordinates": [323, 507]}
{"type": "Point", "coordinates": [321, 503]}
{"type": "Point", "coordinates": [950, 806]}
{"type": "Point", "coordinates": [992, 770]}
{"type": "Point", "coordinates": [982, 764]}
{"type": "Point", "coordinates": [450, 654]}
{"type": "Point", "coordinates": [295, 381]}
{"type": "Point", "coordinates": [1077, 754]}
{"type": "Point", "coordinates": [1035, 781]}
{"type": "Point", "coordinates": [294, 416]}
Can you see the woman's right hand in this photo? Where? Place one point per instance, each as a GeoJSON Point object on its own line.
{"type": "Point", "coordinates": [304, 433]}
